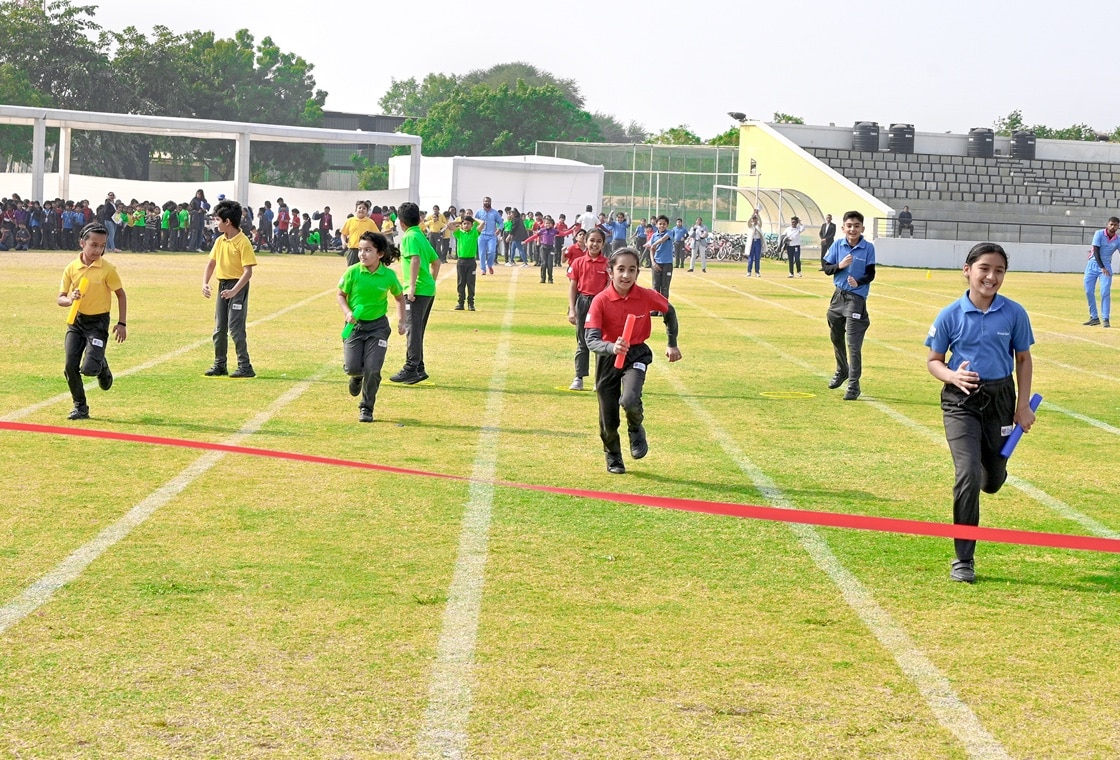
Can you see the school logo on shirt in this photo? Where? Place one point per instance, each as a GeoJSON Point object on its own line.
{"type": "Point", "coordinates": [933, 331]}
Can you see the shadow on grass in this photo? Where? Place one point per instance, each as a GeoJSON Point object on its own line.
{"type": "Point", "coordinates": [413, 422]}
{"type": "Point", "coordinates": [1086, 584]}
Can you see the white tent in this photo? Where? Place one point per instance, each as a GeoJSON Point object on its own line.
{"type": "Point", "coordinates": [529, 183]}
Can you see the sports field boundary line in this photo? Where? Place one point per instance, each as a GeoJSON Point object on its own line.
{"type": "Point", "coordinates": [451, 685]}
{"type": "Point", "coordinates": [948, 708]}
{"type": "Point", "coordinates": [1030, 490]}
{"type": "Point", "coordinates": [41, 591]}
{"type": "Point", "coordinates": [27, 411]}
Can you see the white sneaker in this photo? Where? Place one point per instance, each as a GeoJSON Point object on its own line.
{"type": "Point", "coordinates": [577, 384]}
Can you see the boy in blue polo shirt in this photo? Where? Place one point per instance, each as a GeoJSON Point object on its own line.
{"type": "Point", "coordinates": [851, 263]}
{"type": "Point", "coordinates": [661, 248]}
{"type": "Point", "coordinates": [1105, 243]}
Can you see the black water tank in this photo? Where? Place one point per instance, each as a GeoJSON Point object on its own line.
{"type": "Point", "coordinates": [900, 138]}
{"type": "Point", "coordinates": [981, 142]}
{"type": "Point", "coordinates": [1022, 145]}
{"type": "Point", "coordinates": [865, 136]}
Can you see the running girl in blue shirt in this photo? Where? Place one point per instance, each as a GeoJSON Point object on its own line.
{"type": "Point", "coordinates": [990, 339]}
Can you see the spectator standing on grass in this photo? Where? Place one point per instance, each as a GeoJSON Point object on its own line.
{"type": "Point", "coordinates": [851, 264]}
{"type": "Point", "coordinates": [661, 248]}
{"type": "Point", "coordinates": [106, 214]}
{"type": "Point", "coordinates": [754, 254]}
{"type": "Point", "coordinates": [588, 220]}
{"type": "Point", "coordinates": [793, 244]}
{"type": "Point", "coordinates": [1099, 267]}
{"type": "Point", "coordinates": [421, 266]}
{"type": "Point", "coordinates": [698, 235]}
{"type": "Point", "coordinates": [679, 233]}
{"type": "Point", "coordinates": [325, 226]}
{"type": "Point", "coordinates": [827, 234]}
{"type": "Point", "coordinates": [199, 208]}
{"type": "Point", "coordinates": [989, 338]}
{"type": "Point", "coordinates": [233, 260]}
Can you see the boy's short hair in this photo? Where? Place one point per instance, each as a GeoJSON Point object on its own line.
{"type": "Point", "coordinates": [409, 213]}
{"type": "Point", "coordinates": [662, 216]}
{"type": "Point", "coordinates": [853, 215]}
{"type": "Point", "coordinates": [364, 204]}
{"type": "Point", "coordinates": [228, 211]}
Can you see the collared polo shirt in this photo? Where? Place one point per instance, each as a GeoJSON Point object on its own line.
{"type": "Point", "coordinates": [1108, 247]}
{"type": "Point", "coordinates": [413, 243]}
{"type": "Point", "coordinates": [103, 282]}
{"type": "Point", "coordinates": [232, 256]}
{"type": "Point", "coordinates": [590, 275]}
{"type": "Point", "coordinates": [988, 340]}
{"type": "Point", "coordinates": [367, 292]}
{"type": "Point", "coordinates": [354, 227]}
{"type": "Point", "coordinates": [466, 242]}
{"type": "Point", "coordinates": [609, 309]}
{"type": "Point", "coordinates": [863, 254]}
{"type": "Point", "coordinates": [491, 221]}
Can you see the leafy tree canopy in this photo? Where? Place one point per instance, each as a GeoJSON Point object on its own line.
{"type": "Point", "coordinates": [785, 118]}
{"type": "Point", "coordinates": [1013, 122]}
{"type": "Point", "coordinates": [501, 121]}
{"type": "Point", "coordinates": [79, 66]}
{"type": "Point", "coordinates": [681, 135]}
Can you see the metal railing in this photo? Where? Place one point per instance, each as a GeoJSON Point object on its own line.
{"type": "Point", "coordinates": [996, 232]}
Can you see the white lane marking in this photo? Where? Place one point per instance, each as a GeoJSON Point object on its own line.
{"type": "Point", "coordinates": [41, 591]}
{"type": "Point", "coordinates": [450, 691]}
{"type": "Point", "coordinates": [950, 711]}
{"type": "Point", "coordinates": [27, 411]}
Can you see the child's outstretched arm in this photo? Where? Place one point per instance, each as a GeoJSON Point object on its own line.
{"type": "Point", "coordinates": [672, 353]}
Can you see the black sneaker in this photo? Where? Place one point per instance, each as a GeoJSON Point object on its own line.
{"type": "Point", "coordinates": [838, 379]}
{"type": "Point", "coordinates": [1106, 324]}
{"type": "Point", "coordinates": [401, 376]}
{"type": "Point", "coordinates": [79, 413]}
{"type": "Point", "coordinates": [853, 391]}
{"type": "Point", "coordinates": [639, 446]}
{"type": "Point", "coordinates": [215, 371]}
{"type": "Point", "coordinates": [243, 372]}
{"type": "Point", "coordinates": [615, 465]}
{"type": "Point", "coordinates": [365, 415]}
{"type": "Point", "coordinates": [470, 307]}
{"type": "Point", "coordinates": [355, 386]}
{"type": "Point", "coordinates": [416, 377]}
{"type": "Point", "coordinates": [963, 571]}
{"type": "Point", "coordinates": [1093, 322]}
{"type": "Point", "coordinates": [105, 378]}
{"type": "Point", "coordinates": [458, 307]}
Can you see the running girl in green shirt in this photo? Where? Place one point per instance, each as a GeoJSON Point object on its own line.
{"type": "Point", "coordinates": [363, 294]}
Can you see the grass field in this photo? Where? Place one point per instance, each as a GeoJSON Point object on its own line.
{"type": "Point", "coordinates": [254, 607]}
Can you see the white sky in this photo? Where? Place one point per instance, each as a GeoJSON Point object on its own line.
{"type": "Point", "coordinates": [942, 66]}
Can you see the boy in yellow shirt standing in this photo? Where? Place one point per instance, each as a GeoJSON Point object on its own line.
{"type": "Point", "coordinates": [353, 228]}
{"type": "Point", "coordinates": [233, 260]}
{"type": "Point", "coordinates": [89, 305]}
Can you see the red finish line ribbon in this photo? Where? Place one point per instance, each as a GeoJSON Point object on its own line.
{"type": "Point", "coordinates": [752, 512]}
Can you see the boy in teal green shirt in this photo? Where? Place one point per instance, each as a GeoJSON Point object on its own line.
{"type": "Point", "coordinates": [421, 266]}
{"type": "Point", "coordinates": [466, 243]}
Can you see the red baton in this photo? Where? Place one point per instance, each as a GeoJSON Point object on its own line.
{"type": "Point", "coordinates": [627, 332]}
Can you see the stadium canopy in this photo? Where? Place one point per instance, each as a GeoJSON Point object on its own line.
{"type": "Point", "coordinates": [242, 133]}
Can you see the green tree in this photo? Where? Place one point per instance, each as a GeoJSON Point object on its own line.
{"type": "Point", "coordinates": [484, 121]}
{"type": "Point", "coordinates": [406, 97]}
{"type": "Point", "coordinates": [729, 138]}
{"type": "Point", "coordinates": [785, 118]}
{"type": "Point", "coordinates": [1013, 122]}
{"type": "Point", "coordinates": [613, 130]}
{"type": "Point", "coordinates": [681, 135]}
{"type": "Point", "coordinates": [510, 74]}
{"type": "Point", "coordinates": [370, 176]}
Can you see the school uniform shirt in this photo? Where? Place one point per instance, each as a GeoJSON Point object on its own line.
{"type": "Point", "coordinates": [987, 340]}
{"type": "Point", "coordinates": [678, 234]}
{"type": "Point", "coordinates": [590, 275]}
{"type": "Point", "coordinates": [388, 228]}
{"type": "Point", "coordinates": [663, 254]}
{"type": "Point", "coordinates": [466, 242]}
{"type": "Point", "coordinates": [574, 252]}
{"type": "Point", "coordinates": [435, 223]}
{"type": "Point", "coordinates": [609, 310]}
{"type": "Point", "coordinates": [617, 230]}
{"type": "Point", "coordinates": [413, 243]}
{"type": "Point", "coordinates": [103, 282]}
{"type": "Point", "coordinates": [232, 255]}
{"type": "Point", "coordinates": [367, 292]}
{"type": "Point", "coordinates": [863, 256]}
{"type": "Point", "coordinates": [491, 221]}
{"type": "Point", "coordinates": [353, 229]}
{"type": "Point", "coordinates": [793, 236]}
